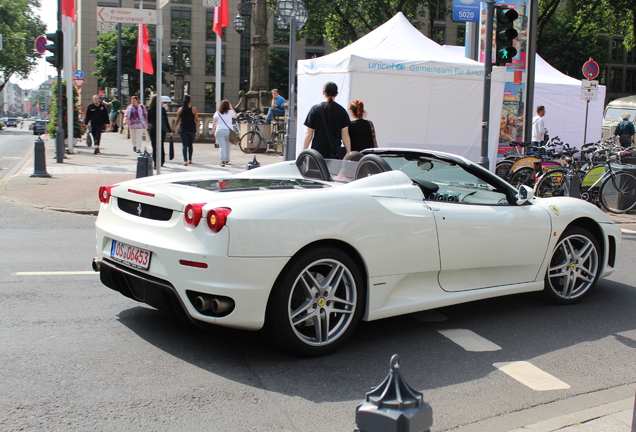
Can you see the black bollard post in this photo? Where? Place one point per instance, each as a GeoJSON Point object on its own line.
{"type": "Point", "coordinates": [394, 406]}
{"type": "Point", "coordinates": [144, 165]}
{"type": "Point", "coordinates": [253, 164]}
{"type": "Point", "coordinates": [39, 160]}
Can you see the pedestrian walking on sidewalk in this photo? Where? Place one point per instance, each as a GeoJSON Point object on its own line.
{"type": "Point", "coordinates": [136, 118]}
{"type": "Point", "coordinates": [328, 126]}
{"type": "Point", "coordinates": [625, 131]}
{"type": "Point", "coordinates": [152, 129]}
{"type": "Point", "coordinates": [115, 105]}
{"type": "Point", "coordinates": [188, 118]}
{"type": "Point", "coordinates": [97, 117]}
{"type": "Point", "coordinates": [221, 126]}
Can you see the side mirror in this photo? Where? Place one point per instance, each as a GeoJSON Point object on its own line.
{"type": "Point", "coordinates": [524, 194]}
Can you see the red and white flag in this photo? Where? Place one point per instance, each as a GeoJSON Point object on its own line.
{"type": "Point", "coordinates": [68, 9]}
{"type": "Point", "coordinates": [221, 18]}
{"type": "Point", "coordinates": [143, 50]}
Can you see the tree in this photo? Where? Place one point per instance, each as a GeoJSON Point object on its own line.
{"type": "Point", "coordinates": [17, 23]}
{"type": "Point", "coordinates": [279, 70]}
{"type": "Point", "coordinates": [78, 130]}
{"type": "Point", "coordinates": [106, 62]}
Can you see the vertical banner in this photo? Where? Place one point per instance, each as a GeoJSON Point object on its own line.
{"type": "Point", "coordinates": [511, 122]}
{"type": "Point", "coordinates": [68, 18]}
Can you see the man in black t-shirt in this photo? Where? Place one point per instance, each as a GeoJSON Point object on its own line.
{"type": "Point", "coordinates": [97, 116]}
{"type": "Point", "coordinates": [328, 126]}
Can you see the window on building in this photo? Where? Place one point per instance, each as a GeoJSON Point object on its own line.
{"type": "Point", "coordinates": [630, 81]}
{"type": "Point", "coordinates": [210, 60]}
{"type": "Point", "coordinates": [314, 53]}
{"type": "Point", "coordinates": [617, 50]}
{"type": "Point", "coordinates": [439, 33]}
{"type": "Point", "coordinates": [315, 41]}
{"type": "Point", "coordinates": [180, 23]}
{"type": "Point", "coordinates": [210, 96]}
{"type": "Point", "coordinates": [209, 21]}
{"type": "Point", "coordinates": [281, 36]}
{"type": "Point", "coordinates": [244, 55]}
{"type": "Point", "coordinates": [602, 77]}
{"type": "Point", "coordinates": [182, 1]}
{"type": "Point", "coordinates": [186, 90]}
{"type": "Point", "coordinates": [631, 56]}
{"type": "Point", "coordinates": [438, 9]}
{"type": "Point", "coordinates": [615, 80]}
{"type": "Point", "coordinates": [461, 36]}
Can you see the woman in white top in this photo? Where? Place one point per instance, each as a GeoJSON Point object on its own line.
{"type": "Point", "coordinates": [221, 126]}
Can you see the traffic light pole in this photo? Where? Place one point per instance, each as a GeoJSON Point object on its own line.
{"type": "Point", "coordinates": [59, 131]}
{"type": "Point", "coordinates": [485, 119]}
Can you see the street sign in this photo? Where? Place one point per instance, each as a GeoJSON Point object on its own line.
{"type": "Point", "coordinates": [79, 82]}
{"type": "Point", "coordinates": [162, 3]}
{"type": "Point", "coordinates": [40, 44]}
{"type": "Point", "coordinates": [78, 74]}
{"type": "Point", "coordinates": [126, 15]}
{"type": "Point", "coordinates": [589, 84]}
{"type": "Point", "coordinates": [465, 10]}
{"type": "Point", "coordinates": [589, 90]}
{"type": "Point", "coordinates": [212, 3]}
{"type": "Point", "coordinates": [103, 27]}
{"type": "Point", "coordinates": [591, 69]}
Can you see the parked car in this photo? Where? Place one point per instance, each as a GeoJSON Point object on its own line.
{"type": "Point", "coordinates": [613, 112]}
{"type": "Point", "coordinates": [11, 122]}
{"type": "Point", "coordinates": [308, 248]}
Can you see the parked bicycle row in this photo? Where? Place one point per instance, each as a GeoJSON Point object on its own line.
{"type": "Point", "coordinates": [596, 173]}
{"type": "Point", "coordinates": [257, 136]}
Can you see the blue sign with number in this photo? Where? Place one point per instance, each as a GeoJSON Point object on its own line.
{"type": "Point", "coordinates": [466, 10]}
{"type": "Point", "coordinates": [78, 74]}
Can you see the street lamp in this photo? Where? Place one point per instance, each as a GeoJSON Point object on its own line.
{"type": "Point", "coordinates": [180, 61]}
{"type": "Point", "coordinates": [292, 13]}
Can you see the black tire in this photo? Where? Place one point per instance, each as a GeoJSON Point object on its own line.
{"type": "Point", "coordinates": [523, 176]}
{"type": "Point", "coordinates": [574, 266]}
{"type": "Point", "coordinates": [618, 192]}
{"type": "Point", "coordinates": [250, 142]}
{"type": "Point", "coordinates": [307, 315]}
{"type": "Point", "coordinates": [551, 184]}
{"type": "Point", "coordinates": [502, 169]}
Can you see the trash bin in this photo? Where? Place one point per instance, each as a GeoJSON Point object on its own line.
{"type": "Point", "coordinates": [144, 165]}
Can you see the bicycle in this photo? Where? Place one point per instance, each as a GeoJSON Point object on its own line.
{"type": "Point", "coordinates": [614, 190]}
{"type": "Point", "coordinates": [526, 170]}
{"type": "Point", "coordinates": [253, 139]}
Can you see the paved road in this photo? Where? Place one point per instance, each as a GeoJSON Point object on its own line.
{"type": "Point", "coordinates": [78, 356]}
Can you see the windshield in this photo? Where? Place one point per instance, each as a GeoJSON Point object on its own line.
{"type": "Point", "coordinates": [616, 114]}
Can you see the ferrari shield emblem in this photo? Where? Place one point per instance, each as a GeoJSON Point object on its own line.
{"type": "Point", "coordinates": [555, 209]}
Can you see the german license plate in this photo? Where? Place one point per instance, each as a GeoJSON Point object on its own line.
{"type": "Point", "coordinates": [130, 255]}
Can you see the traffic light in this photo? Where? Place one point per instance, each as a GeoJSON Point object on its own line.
{"type": "Point", "coordinates": [57, 48]}
{"type": "Point", "coordinates": [505, 34]}
{"type": "Point", "coordinates": [42, 106]}
{"type": "Point", "coordinates": [111, 64]}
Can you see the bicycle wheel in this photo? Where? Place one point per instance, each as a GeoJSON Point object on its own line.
{"type": "Point", "coordinates": [618, 192]}
{"type": "Point", "coordinates": [523, 176]}
{"type": "Point", "coordinates": [502, 169]}
{"type": "Point", "coordinates": [250, 142]}
{"type": "Point", "coordinates": [551, 184]}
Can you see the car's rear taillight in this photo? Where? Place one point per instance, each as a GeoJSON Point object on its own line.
{"type": "Point", "coordinates": [105, 194]}
{"type": "Point", "coordinates": [217, 218]}
{"type": "Point", "coordinates": [193, 214]}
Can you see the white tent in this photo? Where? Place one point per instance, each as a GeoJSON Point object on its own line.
{"type": "Point", "coordinates": [417, 93]}
{"type": "Point", "coordinates": [561, 96]}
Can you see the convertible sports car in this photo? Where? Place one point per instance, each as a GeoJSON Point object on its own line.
{"type": "Point", "coordinates": [308, 248]}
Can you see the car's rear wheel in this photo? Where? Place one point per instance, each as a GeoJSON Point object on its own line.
{"type": "Point", "coordinates": [574, 266]}
{"type": "Point", "coordinates": [317, 302]}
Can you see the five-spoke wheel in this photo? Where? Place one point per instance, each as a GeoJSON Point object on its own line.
{"type": "Point", "coordinates": [574, 266]}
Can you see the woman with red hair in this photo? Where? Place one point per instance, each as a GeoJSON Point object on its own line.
{"type": "Point", "coordinates": [361, 131]}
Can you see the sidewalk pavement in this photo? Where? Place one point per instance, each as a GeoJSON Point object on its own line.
{"type": "Point", "coordinates": [73, 187]}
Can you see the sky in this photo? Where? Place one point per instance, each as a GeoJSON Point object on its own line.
{"type": "Point", "coordinates": [48, 14]}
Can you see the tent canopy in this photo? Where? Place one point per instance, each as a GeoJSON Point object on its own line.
{"type": "Point", "coordinates": [416, 93]}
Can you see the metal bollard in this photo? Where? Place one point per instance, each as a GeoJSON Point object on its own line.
{"type": "Point", "coordinates": [144, 165]}
{"type": "Point", "coordinates": [39, 160]}
{"type": "Point", "coordinates": [572, 184]}
{"type": "Point", "coordinates": [253, 164]}
{"type": "Point", "coordinates": [394, 406]}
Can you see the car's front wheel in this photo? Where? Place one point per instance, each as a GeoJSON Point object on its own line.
{"type": "Point", "coordinates": [317, 302]}
{"type": "Point", "coordinates": [574, 266]}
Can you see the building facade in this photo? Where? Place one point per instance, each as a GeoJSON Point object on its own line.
{"type": "Point", "coordinates": [620, 74]}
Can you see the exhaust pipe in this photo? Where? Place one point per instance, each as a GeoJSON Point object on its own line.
{"type": "Point", "coordinates": [96, 264]}
{"type": "Point", "coordinates": [220, 306]}
{"type": "Point", "coordinates": [202, 304]}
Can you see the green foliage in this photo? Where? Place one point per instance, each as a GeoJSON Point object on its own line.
{"type": "Point", "coordinates": [106, 50]}
{"type": "Point", "coordinates": [17, 22]}
{"type": "Point", "coordinates": [279, 70]}
{"type": "Point", "coordinates": [78, 129]}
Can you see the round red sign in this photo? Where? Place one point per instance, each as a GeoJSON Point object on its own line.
{"type": "Point", "coordinates": [591, 69]}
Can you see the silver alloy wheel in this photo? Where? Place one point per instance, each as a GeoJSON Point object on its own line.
{"type": "Point", "coordinates": [574, 267]}
{"type": "Point", "coordinates": [322, 302]}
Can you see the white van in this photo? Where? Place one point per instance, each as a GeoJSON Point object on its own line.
{"type": "Point", "coordinates": [615, 110]}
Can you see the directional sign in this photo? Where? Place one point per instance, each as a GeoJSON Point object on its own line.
{"type": "Point", "coordinates": [40, 44]}
{"type": "Point", "coordinates": [79, 82]}
{"type": "Point", "coordinates": [78, 74]}
{"type": "Point", "coordinates": [126, 15]}
{"type": "Point", "coordinates": [590, 69]}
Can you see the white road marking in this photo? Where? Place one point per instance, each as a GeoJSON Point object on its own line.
{"type": "Point", "coordinates": [430, 316]}
{"type": "Point", "coordinates": [531, 376]}
{"type": "Point", "coordinates": [54, 273]}
{"type": "Point", "coordinates": [628, 231]}
{"type": "Point", "coordinates": [469, 340]}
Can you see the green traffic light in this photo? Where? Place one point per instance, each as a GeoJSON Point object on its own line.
{"type": "Point", "coordinates": [56, 48]}
{"type": "Point", "coordinates": [505, 34]}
